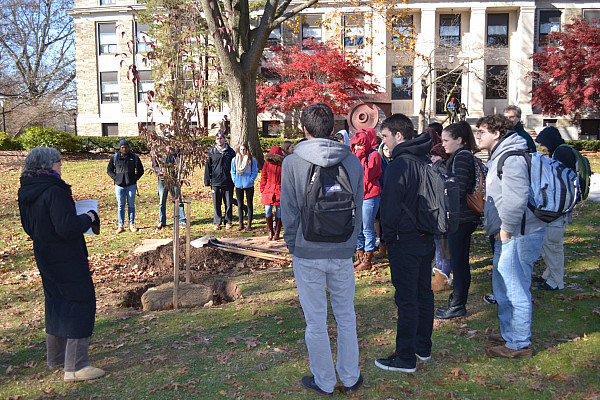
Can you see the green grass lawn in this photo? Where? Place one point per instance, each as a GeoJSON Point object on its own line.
{"type": "Point", "coordinates": [254, 348]}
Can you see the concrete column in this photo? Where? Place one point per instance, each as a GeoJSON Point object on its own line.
{"type": "Point", "coordinates": [521, 50]}
{"type": "Point", "coordinates": [379, 49]}
{"type": "Point", "coordinates": [425, 45]}
{"type": "Point", "coordinates": [476, 62]}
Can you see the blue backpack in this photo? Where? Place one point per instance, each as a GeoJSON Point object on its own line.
{"type": "Point", "coordinates": [552, 186]}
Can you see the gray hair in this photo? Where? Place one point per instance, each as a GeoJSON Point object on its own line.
{"type": "Point", "coordinates": [516, 109]}
{"type": "Point", "coordinates": [40, 159]}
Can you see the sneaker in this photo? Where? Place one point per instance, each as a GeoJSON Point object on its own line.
{"type": "Point", "coordinates": [132, 228]}
{"type": "Point", "coordinates": [227, 226]}
{"type": "Point", "coordinates": [84, 374]}
{"type": "Point", "coordinates": [355, 387]}
{"type": "Point", "coordinates": [490, 299]}
{"type": "Point", "coordinates": [217, 227]}
{"type": "Point", "coordinates": [503, 351]}
{"type": "Point", "coordinates": [309, 383]}
{"type": "Point", "coordinates": [394, 363]}
{"type": "Point", "coordinates": [496, 337]}
{"type": "Point", "coordinates": [539, 279]}
{"type": "Point", "coordinates": [423, 358]}
{"type": "Point", "coordinates": [182, 225]}
{"type": "Point", "coordinates": [120, 229]}
{"type": "Point", "coordinates": [546, 287]}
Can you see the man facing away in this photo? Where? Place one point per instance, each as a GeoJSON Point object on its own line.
{"type": "Point", "coordinates": [518, 233]}
{"type": "Point", "coordinates": [410, 252]}
{"type": "Point", "coordinates": [322, 266]}
{"type": "Point", "coordinates": [125, 169]}
{"type": "Point", "coordinates": [513, 114]}
{"type": "Point", "coordinates": [217, 175]}
{"type": "Point", "coordinates": [162, 166]}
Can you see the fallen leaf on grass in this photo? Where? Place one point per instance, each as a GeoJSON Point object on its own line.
{"type": "Point", "coordinates": [535, 385]}
{"type": "Point", "coordinates": [559, 377]}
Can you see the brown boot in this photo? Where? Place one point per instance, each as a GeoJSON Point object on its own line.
{"type": "Point", "coordinates": [439, 282]}
{"type": "Point", "coordinates": [277, 227]}
{"type": "Point", "coordinates": [359, 257]}
{"type": "Point", "coordinates": [241, 227]}
{"type": "Point", "coordinates": [249, 226]}
{"type": "Point", "coordinates": [270, 227]}
{"type": "Point", "coordinates": [366, 262]}
{"type": "Point", "coordinates": [382, 253]}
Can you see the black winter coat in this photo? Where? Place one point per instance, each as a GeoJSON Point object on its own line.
{"type": "Point", "coordinates": [401, 184]}
{"type": "Point", "coordinates": [218, 167]}
{"type": "Point", "coordinates": [461, 166]}
{"type": "Point", "coordinates": [125, 171]}
{"type": "Point", "coordinates": [49, 218]}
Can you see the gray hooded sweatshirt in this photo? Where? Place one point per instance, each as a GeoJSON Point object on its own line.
{"type": "Point", "coordinates": [506, 198]}
{"type": "Point", "coordinates": [294, 171]}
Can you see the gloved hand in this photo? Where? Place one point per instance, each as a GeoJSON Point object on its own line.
{"type": "Point", "coordinates": [95, 221]}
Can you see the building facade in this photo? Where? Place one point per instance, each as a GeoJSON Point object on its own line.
{"type": "Point", "coordinates": [478, 52]}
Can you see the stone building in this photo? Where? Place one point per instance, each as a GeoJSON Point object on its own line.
{"type": "Point", "coordinates": [476, 51]}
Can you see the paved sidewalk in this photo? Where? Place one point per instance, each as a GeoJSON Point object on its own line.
{"type": "Point", "coordinates": [594, 188]}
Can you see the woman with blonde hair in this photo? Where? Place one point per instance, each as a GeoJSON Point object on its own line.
{"type": "Point", "coordinates": [243, 173]}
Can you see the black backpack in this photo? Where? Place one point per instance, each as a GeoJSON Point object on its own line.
{"type": "Point", "coordinates": [328, 214]}
{"type": "Point", "coordinates": [438, 202]}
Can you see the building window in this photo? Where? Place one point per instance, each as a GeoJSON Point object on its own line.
{"type": "Point", "coordinates": [592, 16]}
{"type": "Point", "coordinates": [496, 81]}
{"type": "Point", "coordinates": [354, 31]}
{"type": "Point", "coordinates": [147, 126]}
{"type": "Point", "coordinates": [402, 29]}
{"type": "Point", "coordinates": [274, 37]}
{"type": "Point", "coordinates": [402, 81]}
{"type": "Point", "coordinates": [450, 30]}
{"type": "Point", "coordinates": [110, 129]}
{"type": "Point", "coordinates": [107, 38]}
{"type": "Point", "coordinates": [145, 85]}
{"type": "Point", "coordinates": [109, 87]}
{"type": "Point", "coordinates": [311, 29]}
{"type": "Point", "coordinates": [549, 22]}
{"type": "Point", "coordinates": [497, 30]}
{"type": "Point", "coordinates": [144, 41]}
{"type": "Point", "coordinates": [104, 2]}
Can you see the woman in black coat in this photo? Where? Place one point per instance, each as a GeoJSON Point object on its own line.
{"type": "Point", "coordinates": [48, 216]}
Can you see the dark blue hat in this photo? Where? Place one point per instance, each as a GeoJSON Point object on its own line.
{"type": "Point", "coordinates": [123, 142]}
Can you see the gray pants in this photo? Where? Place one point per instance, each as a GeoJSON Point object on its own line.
{"type": "Point", "coordinates": [313, 278]}
{"type": "Point", "coordinates": [72, 353]}
{"type": "Point", "coordinates": [554, 253]}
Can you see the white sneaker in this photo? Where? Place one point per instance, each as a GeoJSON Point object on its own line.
{"type": "Point", "coordinates": [120, 229]}
{"type": "Point", "coordinates": [132, 228]}
{"type": "Point", "coordinates": [84, 374]}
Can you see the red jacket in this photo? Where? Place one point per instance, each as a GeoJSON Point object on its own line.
{"type": "Point", "coordinates": [371, 163]}
{"type": "Point", "coordinates": [270, 178]}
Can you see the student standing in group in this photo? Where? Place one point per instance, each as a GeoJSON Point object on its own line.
{"type": "Point", "coordinates": [125, 169]}
{"type": "Point", "coordinates": [459, 142]}
{"type": "Point", "coordinates": [410, 252]}
{"type": "Point", "coordinates": [321, 267]}
{"type": "Point", "coordinates": [518, 233]}
{"type": "Point", "coordinates": [217, 175]}
{"type": "Point", "coordinates": [361, 145]}
{"type": "Point", "coordinates": [513, 114]}
{"type": "Point", "coordinates": [270, 187]}
{"type": "Point", "coordinates": [162, 166]}
{"type": "Point", "coordinates": [243, 173]}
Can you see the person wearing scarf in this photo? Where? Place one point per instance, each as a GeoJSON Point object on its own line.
{"type": "Point", "coordinates": [243, 173]}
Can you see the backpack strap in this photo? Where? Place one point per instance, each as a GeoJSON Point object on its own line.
{"type": "Point", "coordinates": [504, 156]}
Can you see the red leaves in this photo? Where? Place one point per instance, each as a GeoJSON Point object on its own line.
{"type": "Point", "coordinates": [567, 73]}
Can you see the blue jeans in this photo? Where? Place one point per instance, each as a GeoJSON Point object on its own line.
{"type": "Point", "coordinates": [162, 203]}
{"type": "Point", "coordinates": [511, 279]}
{"type": "Point", "coordinates": [124, 194]}
{"type": "Point", "coordinates": [314, 278]}
{"type": "Point", "coordinates": [366, 236]}
{"type": "Point", "coordinates": [269, 211]}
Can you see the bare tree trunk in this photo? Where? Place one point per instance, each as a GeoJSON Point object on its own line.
{"type": "Point", "coordinates": [422, 123]}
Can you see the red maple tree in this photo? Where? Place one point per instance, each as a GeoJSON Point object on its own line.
{"type": "Point", "coordinates": [312, 73]}
{"type": "Point", "coordinates": [567, 72]}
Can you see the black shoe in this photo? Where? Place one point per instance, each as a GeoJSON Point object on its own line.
{"type": "Point", "coordinates": [354, 388]}
{"type": "Point", "coordinates": [490, 299]}
{"type": "Point", "coordinates": [539, 279]}
{"type": "Point", "coordinates": [394, 363]}
{"type": "Point", "coordinates": [546, 287]}
{"type": "Point", "coordinates": [450, 312]}
{"type": "Point", "coordinates": [423, 357]}
{"type": "Point", "coordinates": [309, 383]}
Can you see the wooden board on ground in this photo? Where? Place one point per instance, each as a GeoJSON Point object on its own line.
{"type": "Point", "coordinates": [259, 243]}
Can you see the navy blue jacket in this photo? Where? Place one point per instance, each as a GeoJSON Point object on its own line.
{"type": "Point", "coordinates": [125, 171]}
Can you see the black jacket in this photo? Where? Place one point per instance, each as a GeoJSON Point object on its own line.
{"type": "Point", "coordinates": [49, 218]}
{"type": "Point", "coordinates": [550, 137]}
{"type": "Point", "coordinates": [218, 167]}
{"type": "Point", "coordinates": [461, 166]}
{"type": "Point", "coordinates": [125, 171]}
{"type": "Point", "coordinates": [401, 185]}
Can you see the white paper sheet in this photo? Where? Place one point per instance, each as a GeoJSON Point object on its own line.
{"type": "Point", "coordinates": [83, 206]}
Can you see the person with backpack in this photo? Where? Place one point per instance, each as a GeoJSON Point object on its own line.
{"type": "Point", "coordinates": [410, 252]}
{"type": "Point", "coordinates": [459, 142]}
{"type": "Point", "coordinates": [270, 187]}
{"type": "Point", "coordinates": [518, 232]}
{"type": "Point", "coordinates": [324, 262]}
{"type": "Point", "coordinates": [361, 145]}
{"type": "Point", "coordinates": [125, 169]}
{"type": "Point", "coordinates": [243, 173]}
{"type": "Point", "coordinates": [552, 249]}
{"type": "Point", "coordinates": [161, 166]}
{"type": "Point", "coordinates": [217, 175]}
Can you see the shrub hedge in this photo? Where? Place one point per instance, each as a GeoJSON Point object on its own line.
{"type": "Point", "coordinates": [8, 143]}
{"type": "Point", "coordinates": [585, 145]}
